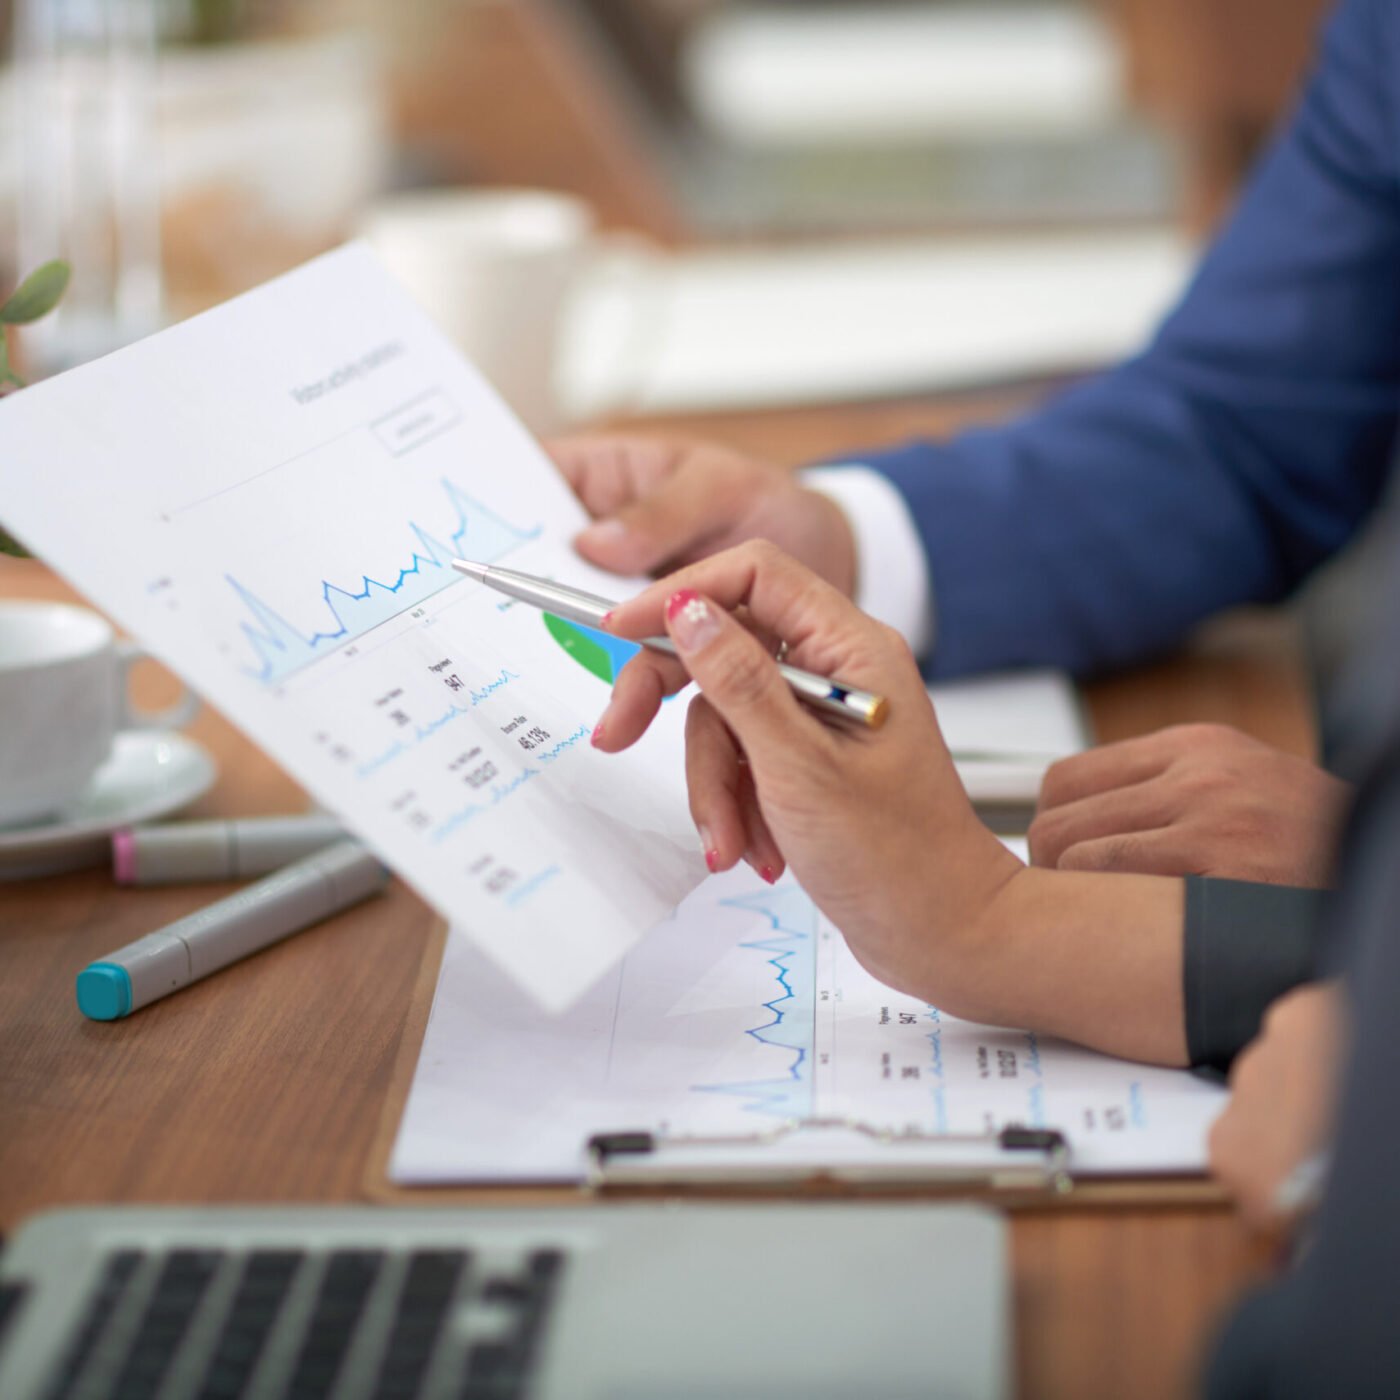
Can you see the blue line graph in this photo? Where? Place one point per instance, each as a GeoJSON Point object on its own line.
{"type": "Point", "coordinates": [476, 532]}
{"type": "Point", "coordinates": [790, 1029]}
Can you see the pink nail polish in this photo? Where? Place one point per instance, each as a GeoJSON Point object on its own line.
{"type": "Point", "coordinates": [692, 621]}
{"type": "Point", "coordinates": [769, 874]}
{"type": "Point", "coordinates": [607, 618]}
{"type": "Point", "coordinates": [597, 734]}
{"type": "Point", "coordinates": [712, 860]}
{"type": "Point", "coordinates": [679, 599]}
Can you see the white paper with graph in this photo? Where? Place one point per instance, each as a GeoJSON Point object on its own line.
{"type": "Point", "coordinates": [745, 1009]}
{"type": "Point", "coordinates": [269, 496]}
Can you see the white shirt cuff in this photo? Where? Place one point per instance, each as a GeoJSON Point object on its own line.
{"type": "Point", "coordinates": [892, 575]}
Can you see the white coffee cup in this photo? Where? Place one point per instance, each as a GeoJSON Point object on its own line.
{"type": "Point", "coordinates": [63, 700]}
{"type": "Point", "coordinates": [496, 269]}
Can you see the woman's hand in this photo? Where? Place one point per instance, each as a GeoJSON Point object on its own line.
{"type": "Point", "coordinates": [855, 811]}
{"type": "Point", "coordinates": [875, 823]}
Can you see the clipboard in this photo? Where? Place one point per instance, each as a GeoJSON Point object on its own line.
{"type": "Point", "coordinates": [843, 1150]}
{"type": "Point", "coordinates": [1030, 1177]}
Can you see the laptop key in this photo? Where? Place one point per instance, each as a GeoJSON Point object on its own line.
{"type": "Point", "coordinates": [11, 1296]}
{"type": "Point", "coordinates": [349, 1277]}
{"type": "Point", "coordinates": [430, 1281]}
{"type": "Point", "coordinates": [494, 1372]}
{"type": "Point", "coordinates": [120, 1268]}
{"type": "Point", "coordinates": [257, 1301]}
{"type": "Point", "coordinates": [184, 1277]}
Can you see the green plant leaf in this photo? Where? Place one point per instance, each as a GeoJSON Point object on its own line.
{"type": "Point", "coordinates": [10, 545]}
{"type": "Point", "coordinates": [37, 295]}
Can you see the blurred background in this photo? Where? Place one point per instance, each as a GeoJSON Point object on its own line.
{"type": "Point", "coordinates": [180, 151]}
{"type": "Point", "coordinates": [812, 201]}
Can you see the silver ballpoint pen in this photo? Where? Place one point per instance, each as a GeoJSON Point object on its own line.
{"type": "Point", "coordinates": [831, 697]}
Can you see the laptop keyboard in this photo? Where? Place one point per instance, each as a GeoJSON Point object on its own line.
{"type": "Point", "coordinates": [284, 1324]}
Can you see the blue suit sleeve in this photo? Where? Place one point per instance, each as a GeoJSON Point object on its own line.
{"type": "Point", "coordinates": [1244, 447]}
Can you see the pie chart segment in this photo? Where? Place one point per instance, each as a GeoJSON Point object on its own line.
{"type": "Point", "coordinates": [595, 651]}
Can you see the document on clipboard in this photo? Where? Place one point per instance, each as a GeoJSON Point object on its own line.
{"type": "Point", "coordinates": [742, 1042]}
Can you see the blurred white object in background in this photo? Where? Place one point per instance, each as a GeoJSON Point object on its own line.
{"type": "Point", "coordinates": [499, 271]}
{"type": "Point", "coordinates": [494, 268]}
{"type": "Point", "coordinates": [87, 180]}
{"type": "Point", "coordinates": [268, 152]}
{"type": "Point", "coordinates": [869, 319]}
{"type": "Point", "coordinates": [265, 152]}
{"type": "Point", "coordinates": [853, 74]}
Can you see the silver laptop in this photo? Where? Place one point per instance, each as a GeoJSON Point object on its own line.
{"type": "Point", "coordinates": [612, 1302]}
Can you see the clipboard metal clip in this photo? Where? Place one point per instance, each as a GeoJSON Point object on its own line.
{"type": "Point", "coordinates": [644, 1157]}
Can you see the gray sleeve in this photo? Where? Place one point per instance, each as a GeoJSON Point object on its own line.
{"type": "Point", "coordinates": [1245, 946]}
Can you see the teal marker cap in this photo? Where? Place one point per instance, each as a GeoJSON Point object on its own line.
{"type": "Point", "coordinates": [104, 991]}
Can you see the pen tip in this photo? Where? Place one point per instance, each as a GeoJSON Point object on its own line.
{"type": "Point", "coordinates": [465, 566]}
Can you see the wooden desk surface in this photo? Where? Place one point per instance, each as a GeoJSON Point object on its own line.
{"type": "Point", "coordinates": [267, 1082]}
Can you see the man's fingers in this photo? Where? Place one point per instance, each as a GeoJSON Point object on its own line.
{"type": "Point", "coordinates": [1141, 807]}
{"type": "Point", "coordinates": [1102, 769]}
{"type": "Point", "coordinates": [666, 522]}
{"type": "Point", "coordinates": [1161, 852]}
{"type": "Point", "coordinates": [605, 472]}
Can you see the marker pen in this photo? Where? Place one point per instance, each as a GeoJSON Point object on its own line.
{"type": "Point", "coordinates": [259, 915]}
{"type": "Point", "coordinates": [176, 852]}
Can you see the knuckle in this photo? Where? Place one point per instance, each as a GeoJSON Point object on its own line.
{"type": "Point", "coordinates": [1108, 854]}
{"type": "Point", "coordinates": [1044, 838]}
{"type": "Point", "coordinates": [894, 645]}
{"type": "Point", "coordinates": [761, 553]}
{"type": "Point", "coordinates": [1206, 734]}
{"type": "Point", "coordinates": [1056, 782]}
{"type": "Point", "coordinates": [746, 675]}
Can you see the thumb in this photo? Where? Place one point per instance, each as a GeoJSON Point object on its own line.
{"type": "Point", "coordinates": [662, 524]}
{"type": "Point", "coordinates": [734, 673]}
{"type": "Point", "coordinates": [622, 544]}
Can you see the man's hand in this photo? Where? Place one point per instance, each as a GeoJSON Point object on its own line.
{"type": "Point", "coordinates": [658, 505]}
{"type": "Point", "coordinates": [1280, 1114]}
{"type": "Point", "coordinates": [1199, 799]}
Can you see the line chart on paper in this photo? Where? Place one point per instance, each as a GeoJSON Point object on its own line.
{"type": "Point", "coordinates": [474, 532]}
{"type": "Point", "coordinates": [745, 1011]}
{"type": "Point", "coordinates": [784, 1030]}
{"type": "Point", "coordinates": [269, 497]}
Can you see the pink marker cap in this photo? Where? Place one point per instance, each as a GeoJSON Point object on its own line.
{"type": "Point", "coordinates": [124, 856]}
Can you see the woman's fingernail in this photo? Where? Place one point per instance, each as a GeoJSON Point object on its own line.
{"type": "Point", "coordinates": [692, 621]}
{"type": "Point", "coordinates": [597, 734]}
{"type": "Point", "coordinates": [607, 618]}
{"type": "Point", "coordinates": [769, 874]}
{"type": "Point", "coordinates": [708, 846]}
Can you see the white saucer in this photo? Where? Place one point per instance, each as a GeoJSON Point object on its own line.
{"type": "Point", "coordinates": [150, 773]}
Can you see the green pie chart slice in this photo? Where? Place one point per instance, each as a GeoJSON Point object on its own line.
{"type": "Point", "coordinates": [598, 653]}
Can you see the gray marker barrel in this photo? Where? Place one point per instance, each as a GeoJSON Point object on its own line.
{"type": "Point", "coordinates": [211, 938]}
{"type": "Point", "coordinates": [180, 852]}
